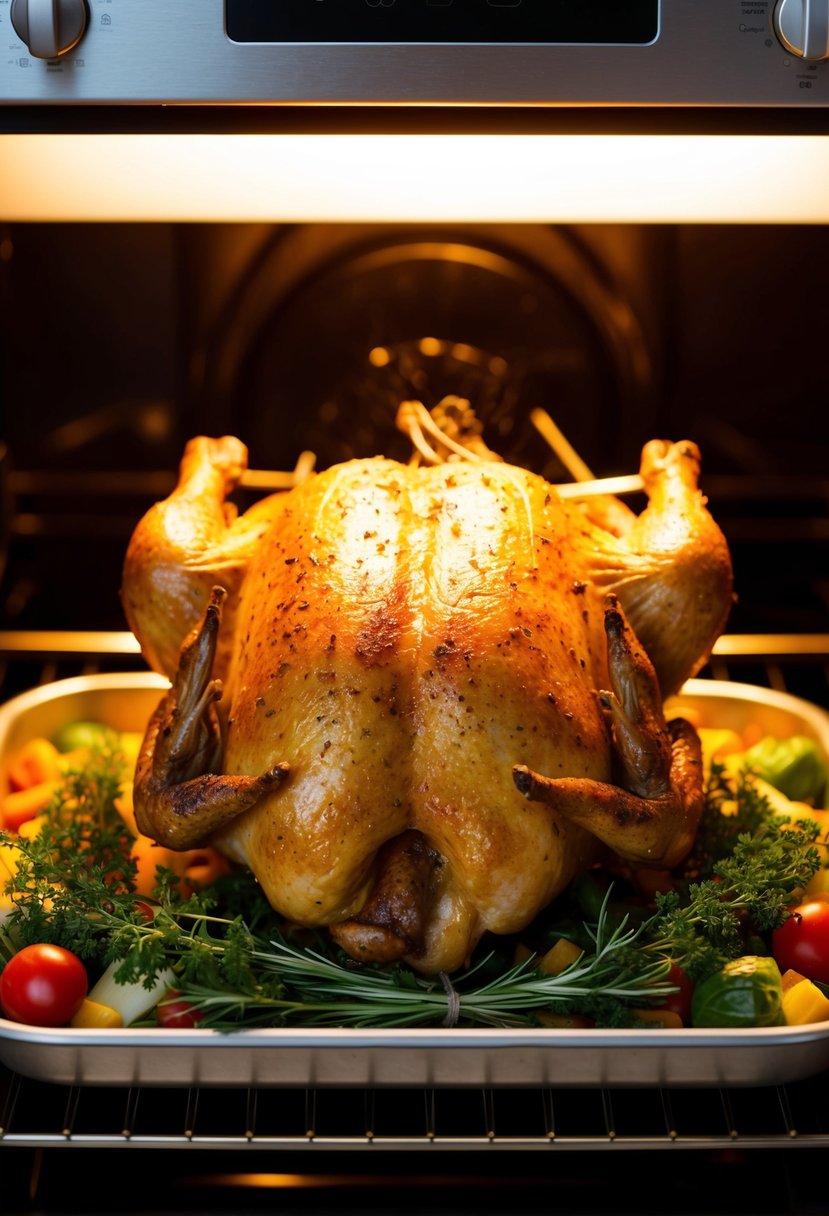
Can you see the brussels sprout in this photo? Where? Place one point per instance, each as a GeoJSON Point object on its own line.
{"type": "Point", "coordinates": [793, 766]}
{"type": "Point", "coordinates": [746, 992]}
{"type": "Point", "coordinates": [84, 734]}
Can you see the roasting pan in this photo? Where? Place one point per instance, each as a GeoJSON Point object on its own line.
{"type": "Point", "coordinates": [291, 1057]}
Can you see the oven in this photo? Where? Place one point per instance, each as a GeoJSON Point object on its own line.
{"type": "Point", "coordinates": [281, 220]}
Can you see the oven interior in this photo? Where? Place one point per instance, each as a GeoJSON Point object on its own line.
{"type": "Point", "coordinates": [120, 341]}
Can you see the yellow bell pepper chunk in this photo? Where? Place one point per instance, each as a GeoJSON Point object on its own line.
{"type": "Point", "coordinates": [804, 1003]}
{"type": "Point", "coordinates": [667, 1019]}
{"type": "Point", "coordinates": [717, 744]}
{"type": "Point", "coordinates": [818, 885]}
{"type": "Point", "coordinates": [125, 808]}
{"type": "Point", "coordinates": [130, 746]}
{"type": "Point", "coordinates": [9, 864]}
{"type": "Point", "coordinates": [32, 828]}
{"type": "Point", "coordinates": [560, 957]}
{"type": "Point", "coordinates": [789, 978]}
{"type": "Point", "coordinates": [94, 1016]}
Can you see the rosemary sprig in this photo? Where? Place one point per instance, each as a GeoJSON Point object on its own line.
{"type": "Point", "coordinates": [315, 990]}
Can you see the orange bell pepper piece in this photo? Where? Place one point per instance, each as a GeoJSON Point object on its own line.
{"type": "Point", "coordinates": [36, 762]}
{"type": "Point", "coordinates": [16, 808]}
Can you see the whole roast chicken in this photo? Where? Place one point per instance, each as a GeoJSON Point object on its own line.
{"type": "Point", "coordinates": [416, 700]}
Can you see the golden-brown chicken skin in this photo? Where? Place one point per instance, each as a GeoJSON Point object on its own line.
{"type": "Point", "coordinates": [437, 707]}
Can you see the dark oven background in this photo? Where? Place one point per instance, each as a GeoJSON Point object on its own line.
{"type": "Point", "coordinates": [119, 342]}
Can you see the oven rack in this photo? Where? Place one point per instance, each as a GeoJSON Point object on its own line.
{"type": "Point", "coordinates": [388, 1121]}
{"type": "Point", "coordinates": [392, 1121]}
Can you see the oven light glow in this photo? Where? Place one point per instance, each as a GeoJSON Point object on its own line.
{"type": "Point", "coordinates": [336, 1181]}
{"type": "Point", "coordinates": [443, 178]}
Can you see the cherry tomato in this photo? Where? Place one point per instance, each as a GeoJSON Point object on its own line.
{"type": "Point", "coordinates": [43, 985]}
{"type": "Point", "coordinates": [146, 911]}
{"type": "Point", "coordinates": [802, 942]}
{"type": "Point", "coordinates": [678, 1002]}
{"type": "Point", "coordinates": [174, 1013]}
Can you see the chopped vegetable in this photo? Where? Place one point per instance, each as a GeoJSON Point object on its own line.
{"type": "Point", "coordinates": [36, 762]}
{"type": "Point", "coordinates": [10, 856]}
{"type": "Point", "coordinates": [562, 955]}
{"type": "Point", "coordinates": [667, 1019]}
{"type": "Point", "coordinates": [86, 735]}
{"type": "Point", "coordinates": [94, 1016]}
{"type": "Point", "coordinates": [717, 743]}
{"type": "Point", "coordinates": [21, 805]}
{"type": "Point", "coordinates": [42, 985]}
{"type": "Point", "coordinates": [173, 1013]}
{"type": "Point", "coordinates": [803, 1001]}
{"type": "Point", "coordinates": [746, 992]}
{"type": "Point", "coordinates": [794, 766]}
{"type": "Point", "coordinates": [679, 1002]}
{"type": "Point", "coordinates": [134, 1000]}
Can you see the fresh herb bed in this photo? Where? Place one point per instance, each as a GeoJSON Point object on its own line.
{"type": "Point", "coordinates": [221, 954]}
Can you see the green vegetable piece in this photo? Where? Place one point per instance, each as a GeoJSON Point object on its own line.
{"type": "Point", "coordinates": [746, 992]}
{"type": "Point", "coordinates": [589, 895]}
{"type": "Point", "coordinates": [84, 734]}
{"type": "Point", "coordinates": [793, 766]}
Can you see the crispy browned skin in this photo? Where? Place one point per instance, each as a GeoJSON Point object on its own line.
{"type": "Point", "coordinates": [671, 569]}
{"type": "Point", "coordinates": [405, 639]}
{"type": "Point", "coordinates": [650, 817]}
{"type": "Point", "coordinates": [183, 795]}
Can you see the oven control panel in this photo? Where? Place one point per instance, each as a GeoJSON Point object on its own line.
{"type": "Point", "coordinates": [385, 52]}
{"type": "Point", "coordinates": [49, 28]}
{"type": "Point", "coordinates": [803, 27]}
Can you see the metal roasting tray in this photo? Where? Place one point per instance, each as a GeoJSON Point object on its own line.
{"type": "Point", "coordinates": [457, 1058]}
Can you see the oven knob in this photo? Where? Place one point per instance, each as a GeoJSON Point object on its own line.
{"type": "Point", "coordinates": [49, 27]}
{"type": "Point", "coordinates": [803, 27]}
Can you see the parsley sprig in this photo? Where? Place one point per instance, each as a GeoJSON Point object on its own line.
{"type": "Point", "coordinates": [78, 867]}
{"type": "Point", "coordinates": [751, 862]}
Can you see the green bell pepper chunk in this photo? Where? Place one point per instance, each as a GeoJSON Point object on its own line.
{"type": "Point", "coordinates": [84, 734]}
{"type": "Point", "coordinates": [794, 766]}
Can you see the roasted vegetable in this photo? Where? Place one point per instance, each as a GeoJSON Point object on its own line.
{"type": "Point", "coordinates": [793, 766]}
{"type": "Point", "coordinates": [746, 992]}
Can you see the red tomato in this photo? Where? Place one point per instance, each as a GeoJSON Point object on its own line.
{"type": "Point", "coordinates": [678, 1002]}
{"type": "Point", "coordinates": [145, 911]}
{"type": "Point", "coordinates": [802, 942]}
{"type": "Point", "coordinates": [175, 1014]}
{"type": "Point", "coordinates": [43, 985]}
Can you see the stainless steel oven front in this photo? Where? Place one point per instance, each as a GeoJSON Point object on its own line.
{"type": "Point", "coordinates": [507, 52]}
